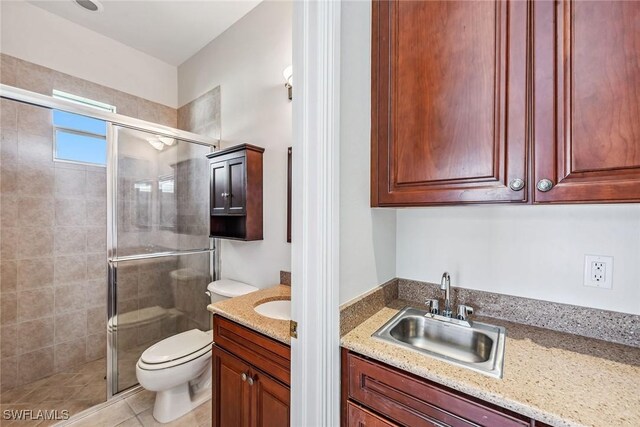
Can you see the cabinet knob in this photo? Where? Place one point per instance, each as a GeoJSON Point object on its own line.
{"type": "Point", "coordinates": [244, 376]}
{"type": "Point", "coordinates": [250, 381]}
{"type": "Point", "coordinates": [225, 195]}
{"type": "Point", "coordinates": [516, 184]}
{"type": "Point", "coordinates": [544, 185]}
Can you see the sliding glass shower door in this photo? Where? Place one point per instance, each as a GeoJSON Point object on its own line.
{"type": "Point", "coordinates": [160, 254]}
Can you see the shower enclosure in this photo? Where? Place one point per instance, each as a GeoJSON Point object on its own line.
{"type": "Point", "coordinates": [159, 257]}
{"type": "Point", "coordinates": [158, 244]}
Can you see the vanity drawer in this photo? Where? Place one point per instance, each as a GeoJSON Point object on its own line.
{"type": "Point", "coordinates": [360, 417]}
{"type": "Point", "coordinates": [416, 402]}
{"type": "Point", "coordinates": [260, 351]}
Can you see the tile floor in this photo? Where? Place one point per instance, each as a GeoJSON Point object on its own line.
{"type": "Point", "coordinates": [84, 387]}
{"type": "Point", "coordinates": [127, 361]}
{"type": "Point", "coordinates": [137, 410]}
{"type": "Point", "coordinates": [73, 390]}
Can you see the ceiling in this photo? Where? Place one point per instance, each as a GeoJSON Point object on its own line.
{"type": "Point", "coordinates": [171, 31]}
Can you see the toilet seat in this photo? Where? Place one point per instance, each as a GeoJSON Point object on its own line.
{"type": "Point", "coordinates": [136, 318]}
{"type": "Point", "coordinates": [206, 352]}
{"type": "Point", "coordinates": [176, 350]}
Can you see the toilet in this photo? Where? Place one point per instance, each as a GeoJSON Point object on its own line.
{"type": "Point", "coordinates": [178, 368]}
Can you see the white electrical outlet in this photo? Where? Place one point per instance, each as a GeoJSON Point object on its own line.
{"type": "Point", "coordinates": [598, 271]}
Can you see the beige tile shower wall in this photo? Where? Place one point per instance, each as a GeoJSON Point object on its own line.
{"type": "Point", "coordinates": [26, 75]}
{"type": "Point", "coordinates": [52, 232]}
{"type": "Point", "coordinates": [201, 116]}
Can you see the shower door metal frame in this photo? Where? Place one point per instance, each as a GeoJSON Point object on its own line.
{"type": "Point", "coordinates": [112, 251]}
{"type": "Point", "coordinates": [112, 120]}
{"type": "Point", "coordinates": [40, 100]}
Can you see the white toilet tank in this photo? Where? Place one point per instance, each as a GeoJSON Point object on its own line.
{"type": "Point", "coordinates": [227, 288]}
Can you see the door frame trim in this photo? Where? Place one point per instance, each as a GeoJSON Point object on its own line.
{"type": "Point", "coordinates": [315, 354]}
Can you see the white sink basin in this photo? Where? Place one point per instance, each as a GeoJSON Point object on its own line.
{"type": "Point", "coordinates": [280, 309]}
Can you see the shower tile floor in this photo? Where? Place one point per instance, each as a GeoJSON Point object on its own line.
{"type": "Point", "coordinates": [74, 390]}
{"type": "Point", "coordinates": [83, 388]}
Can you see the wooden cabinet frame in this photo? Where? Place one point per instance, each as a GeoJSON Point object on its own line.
{"type": "Point", "coordinates": [236, 178]}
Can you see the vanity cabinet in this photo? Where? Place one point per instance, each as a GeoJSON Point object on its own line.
{"type": "Point", "coordinates": [504, 101]}
{"type": "Point", "coordinates": [251, 375]}
{"type": "Point", "coordinates": [232, 392]}
{"type": "Point", "coordinates": [236, 192]}
{"type": "Point", "coordinates": [374, 394]}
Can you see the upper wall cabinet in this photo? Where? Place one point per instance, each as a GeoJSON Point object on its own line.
{"type": "Point", "coordinates": [586, 101]}
{"type": "Point", "coordinates": [463, 91]}
{"type": "Point", "coordinates": [236, 192]}
{"type": "Point", "coordinates": [449, 102]}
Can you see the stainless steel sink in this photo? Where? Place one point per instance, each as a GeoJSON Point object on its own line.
{"type": "Point", "coordinates": [476, 346]}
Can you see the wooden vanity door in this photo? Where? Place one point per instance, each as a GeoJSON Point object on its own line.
{"type": "Point", "coordinates": [271, 401]}
{"type": "Point", "coordinates": [448, 102]}
{"type": "Point", "coordinates": [231, 403]}
{"type": "Point", "coordinates": [587, 100]}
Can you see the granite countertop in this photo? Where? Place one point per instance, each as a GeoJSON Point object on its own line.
{"type": "Point", "coordinates": [240, 310]}
{"type": "Point", "coordinates": [554, 377]}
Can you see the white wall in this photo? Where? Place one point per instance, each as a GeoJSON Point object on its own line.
{"type": "Point", "coordinates": [247, 62]}
{"type": "Point", "coordinates": [367, 236]}
{"type": "Point", "coordinates": [530, 251]}
{"type": "Point", "coordinates": [37, 36]}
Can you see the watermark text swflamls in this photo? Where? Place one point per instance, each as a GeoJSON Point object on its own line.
{"type": "Point", "coordinates": [35, 414]}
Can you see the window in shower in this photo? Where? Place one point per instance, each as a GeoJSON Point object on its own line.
{"type": "Point", "coordinates": [77, 138]}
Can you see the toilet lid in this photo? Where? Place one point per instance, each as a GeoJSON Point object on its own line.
{"type": "Point", "coordinates": [177, 346]}
{"type": "Point", "coordinates": [230, 288]}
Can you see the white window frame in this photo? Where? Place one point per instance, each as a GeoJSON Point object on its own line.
{"type": "Point", "coordinates": [87, 103]}
{"type": "Point", "coordinates": [83, 101]}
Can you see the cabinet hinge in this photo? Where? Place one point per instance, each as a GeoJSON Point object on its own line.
{"type": "Point", "coordinates": [293, 329]}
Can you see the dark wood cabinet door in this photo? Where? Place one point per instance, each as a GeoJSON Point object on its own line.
{"type": "Point", "coordinates": [231, 403]}
{"type": "Point", "coordinates": [219, 183]}
{"type": "Point", "coordinates": [587, 100]}
{"type": "Point", "coordinates": [271, 402]}
{"type": "Point", "coordinates": [237, 186]}
{"type": "Point", "coordinates": [449, 82]}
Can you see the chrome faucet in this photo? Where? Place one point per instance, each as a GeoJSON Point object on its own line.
{"type": "Point", "coordinates": [445, 285]}
{"type": "Point", "coordinates": [446, 315]}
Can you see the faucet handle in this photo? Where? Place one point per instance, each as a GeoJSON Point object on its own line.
{"type": "Point", "coordinates": [464, 311]}
{"type": "Point", "coordinates": [434, 306]}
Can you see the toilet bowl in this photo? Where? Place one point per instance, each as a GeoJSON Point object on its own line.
{"type": "Point", "coordinates": [178, 368]}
